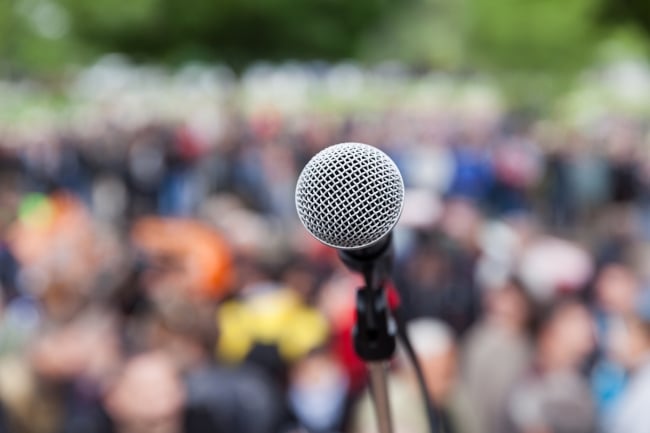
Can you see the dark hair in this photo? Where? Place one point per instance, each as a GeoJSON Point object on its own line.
{"type": "Point", "coordinates": [544, 314]}
{"type": "Point", "coordinates": [517, 285]}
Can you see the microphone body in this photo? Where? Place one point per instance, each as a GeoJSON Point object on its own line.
{"type": "Point", "coordinates": [349, 195]}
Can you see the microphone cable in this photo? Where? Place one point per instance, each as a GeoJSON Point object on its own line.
{"type": "Point", "coordinates": [437, 422]}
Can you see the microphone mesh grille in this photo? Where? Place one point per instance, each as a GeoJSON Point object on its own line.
{"type": "Point", "coordinates": [349, 195]}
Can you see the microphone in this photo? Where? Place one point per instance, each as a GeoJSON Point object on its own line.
{"type": "Point", "coordinates": [350, 196]}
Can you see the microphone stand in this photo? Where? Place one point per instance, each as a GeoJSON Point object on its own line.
{"type": "Point", "coordinates": [375, 330]}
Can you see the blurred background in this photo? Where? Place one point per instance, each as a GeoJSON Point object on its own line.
{"type": "Point", "coordinates": [154, 276]}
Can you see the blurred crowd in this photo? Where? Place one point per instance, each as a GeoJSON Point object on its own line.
{"type": "Point", "coordinates": [156, 279]}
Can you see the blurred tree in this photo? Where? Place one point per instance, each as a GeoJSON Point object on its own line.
{"type": "Point", "coordinates": [35, 37]}
{"type": "Point", "coordinates": [423, 33]}
{"type": "Point", "coordinates": [635, 12]}
{"type": "Point", "coordinates": [533, 47]}
{"type": "Point", "coordinates": [536, 35]}
{"type": "Point", "coordinates": [236, 31]}
{"type": "Point", "coordinates": [7, 39]}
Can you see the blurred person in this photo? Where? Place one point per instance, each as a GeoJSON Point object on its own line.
{"type": "Point", "coordinates": [109, 200]}
{"type": "Point", "coordinates": [427, 165]}
{"type": "Point", "coordinates": [336, 300]}
{"type": "Point", "coordinates": [148, 396]}
{"type": "Point", "coordinates": [185, 254]}
{"type": "Point", "coordinates": [552, 267]}
{"type": "Point", "coordinates": [72, 175]}
{"type": "Point", "coordinates": [496, 353]}
{"type": "Point", "coordinates": [145, 168]}
{"type": "Point", "coordinates": [472, 177]}
{"type": "Point", "coordinates": [473, 173]}
{"type": "Point", "coordinates": [220, 396]}
{"type": "Point", "coordinates": [269, 326]}
{"type": "Point", "coordinates": [181, 327]}
{"type": "Point", "coordinates": [87, 347]}
{"type": "Point", "coordinates": [246, 178]}
{"type": "Point", "coordinates": [553, 396]}
{"type": "Point", "coordinates": [588, 178]}
{"type": "Point", "coordinates": [559, 191]}
{"type": "Point", "coordinates": [305, 277]}
{"type": "Point", "coordinates": [9, 271]}
{"type": "Point", "coordinates": [9, 202]}
{"type": "Point", "coordinates": [20, 397]}
{"type": "Point", "coordinates": [618, 225]}
{"type": "Point", "coordinates": [66, 259]}
{"type": "Point", "coordinates": [58, 383]}
{"type": "Point", "coordinates": [617, 289]}
{"type": "Point", "coordinates": [20, 321]}
{"type": "Point", "coordinates": [517, 169]}
{"type": "Point", "coordinates": [623, 164]}
{"type": "Point", "coordinates": [461, 223]}
{"type": "Point", "coordinates": [318, 393]}
{"type": "Point", "coordinates": [183, 186]}
{"type": "Point", "coordinates": [252, 236]}
{"type": "Point", "coordinates": [632, 348]}
{"type": "Point", "coordinates": [233, 398]}
{"type": "Point", "coordinates": [41, 164]}
{"type": "Point", "coordinates": [3, 421]}
{"type": "Point", "coordinates": [151, 396]}
{"type": "Point", "coordinates": [10, 164]}
{"type": "Point", "coordinates": [435, 346]}
{"type": "Point", "coordinates": [645, 191]}
{"type": "Point", "coordinates": [435, 278]}
{"type": "Point", "coordinates": [280, 173]}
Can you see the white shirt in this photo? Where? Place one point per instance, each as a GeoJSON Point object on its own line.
{"type": "Point", "coordinates": [632, 413]}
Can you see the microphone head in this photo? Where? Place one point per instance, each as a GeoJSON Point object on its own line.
{"type": "Point", "coordinates": [350, 195]}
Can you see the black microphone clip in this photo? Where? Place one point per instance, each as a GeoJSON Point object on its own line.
{"type": "Point", "coordinates": [375, 330]}
{"type": "Point", "coordinates": [373, 262]}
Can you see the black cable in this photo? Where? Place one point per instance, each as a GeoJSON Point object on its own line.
{"type": "Point", "coordinates": [436, 420]}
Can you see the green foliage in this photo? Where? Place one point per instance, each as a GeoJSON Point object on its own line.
{"type": "Point", "coordinates": [634, 12]}
{"type": "Point", "coordinates": [532, 48]}
{"type": "Point", "coordinates": [535, 35]}
{"type": "Point", "coordinates": [236, 31]}
{"type": "Point", "coordinates": [623, 43]}
{"type": "Point", "coordinates": [424, 33]}
{"type": "Point", "coordinates": [35, 38]}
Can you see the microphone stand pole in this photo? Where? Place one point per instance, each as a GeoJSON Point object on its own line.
{"type": "Point", "coordinates": [375, 330]}
{"type": "Point", "coordinates": [378, 384]}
